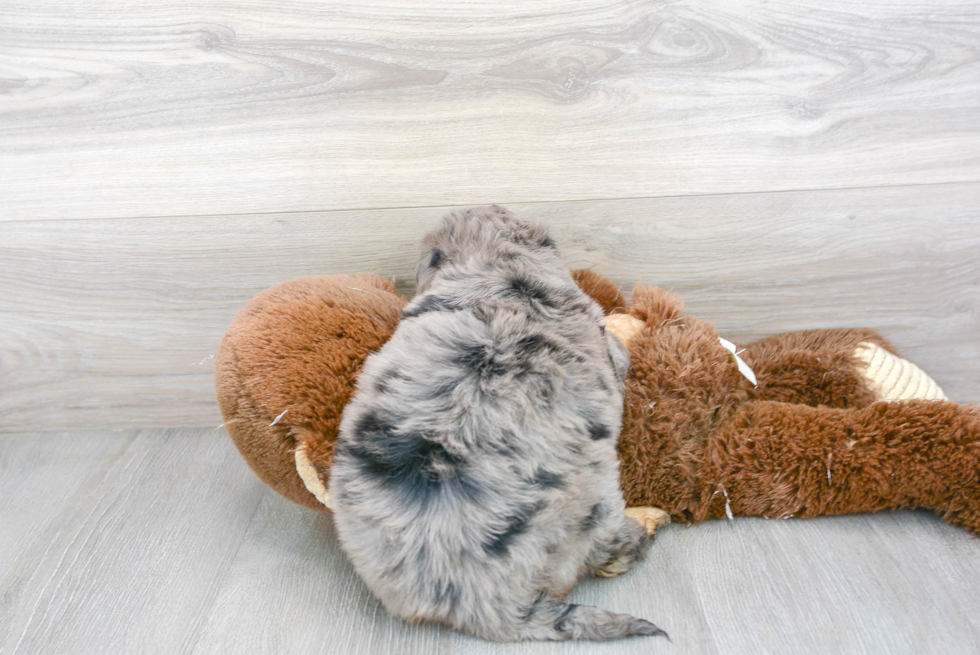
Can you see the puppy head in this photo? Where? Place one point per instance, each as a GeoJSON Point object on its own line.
{"type": "Point", "coordinates": [479, 234]}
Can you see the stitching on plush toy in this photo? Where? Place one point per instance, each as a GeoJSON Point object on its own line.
{"type": "Point", "coordinates": [743, 368]}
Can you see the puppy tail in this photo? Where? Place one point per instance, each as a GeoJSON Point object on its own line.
{"type": "Point", "coordinates": [554, 620]}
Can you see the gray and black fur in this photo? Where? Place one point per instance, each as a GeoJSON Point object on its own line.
{"type": "Point", "coordinates": [475, 477]}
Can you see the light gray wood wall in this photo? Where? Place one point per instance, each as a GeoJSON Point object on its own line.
{"type": "Point", "coordinates": [782, 166]}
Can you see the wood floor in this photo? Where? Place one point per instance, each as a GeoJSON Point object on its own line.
{"type": "Point", "coordinates": [781, 165]}
{"type": "Point", "coordinates": [162, 541]}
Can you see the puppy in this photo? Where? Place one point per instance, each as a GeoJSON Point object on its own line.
{"type": "Point", "coordinates": [475, 477]}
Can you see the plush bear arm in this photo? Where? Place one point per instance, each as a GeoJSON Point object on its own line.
{"type": "Point", "coordinates": [779, 460]}
{"type": "Point", "coordinates": [813, 367]}
{"type": "Point", "coordinates": [835, 368]}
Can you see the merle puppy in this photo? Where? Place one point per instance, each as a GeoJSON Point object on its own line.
{"type": "Point", "coordinates": [476, 476]}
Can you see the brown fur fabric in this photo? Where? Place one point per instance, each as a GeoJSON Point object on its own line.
{"type": "Point", "coordinates": [777, 459]}
{"type": "Point", "coordinates": [813, 367]}
{"type": "Point", "coordinates": [602, 290]}
{"type": "Point", "coordinates": [299, 347]}
{"type": "Point", "coordinates": [698, 440]}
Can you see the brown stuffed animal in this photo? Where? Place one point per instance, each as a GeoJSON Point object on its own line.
{"type": "Point", "coordinates": [287, 367]}
{"type": "Point", "coordinates": [837, 423]}
{"type": "Point", "coordinates": [800, 424]}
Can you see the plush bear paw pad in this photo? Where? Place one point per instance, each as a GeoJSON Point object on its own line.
{"type": "Point", "coordinates": [894, 378]}
{"type": "Point", "coordinates": [624, 326]}
{"type": "Point", "coordinates": [651, 518]}
{"type": "Point", "coordinates": [307, 472]}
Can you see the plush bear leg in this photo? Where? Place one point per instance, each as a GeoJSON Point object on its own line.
{"type": "Point", "coordinates": [780, 460]}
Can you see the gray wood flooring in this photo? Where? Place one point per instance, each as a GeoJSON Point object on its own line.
{"type": "Point", "coordinates": [131, 541]}
{"type": "Point", "coordinates": [782, 165]}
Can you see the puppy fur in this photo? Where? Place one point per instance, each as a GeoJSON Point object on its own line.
{"type": "Point", "coordinates": [475, 477]}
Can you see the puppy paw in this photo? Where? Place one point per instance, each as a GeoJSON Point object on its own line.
{"type": "Point", "coordinates": [651, 518]}
{"type": "Point", "coordinates": [615, 568]}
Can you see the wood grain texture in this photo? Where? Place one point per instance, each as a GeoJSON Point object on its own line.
{"type": "Point", "coordinates": [851, 585]}
{"type": "Point", "coordinates": [128, 561]}
{"type": "Point", "coordinates": [38, 479]}
{"type": "Point", "coordinates": [223, 107]}
{"type": "Point", "coordinates": [291, 572]}
{"type": "Point", "coordinates": [164, 542]}
{"type": "Point", "coordinates": [112, 322]}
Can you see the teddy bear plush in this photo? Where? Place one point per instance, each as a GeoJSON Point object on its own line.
{"type": "Point", "coordinates": [828, 422]}
{"type": "Point", "coordinates": [797, 425]}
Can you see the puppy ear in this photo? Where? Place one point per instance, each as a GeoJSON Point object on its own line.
{"type": "Point", "coordinates": [437, 258]}
{"type": "Point", "coordinates": [619, 354]}
{"type": "Point", "coordinates": [429, 263]}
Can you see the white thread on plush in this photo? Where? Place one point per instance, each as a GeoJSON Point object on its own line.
{"type": "Point", "coordinates": [743, 368]}
{"type": "Point", "coordinates": [894, 378]}
{"type": "Point", "coordinates": [626, 327]}
{"type": "Point", "coordinates": [307, 473]}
